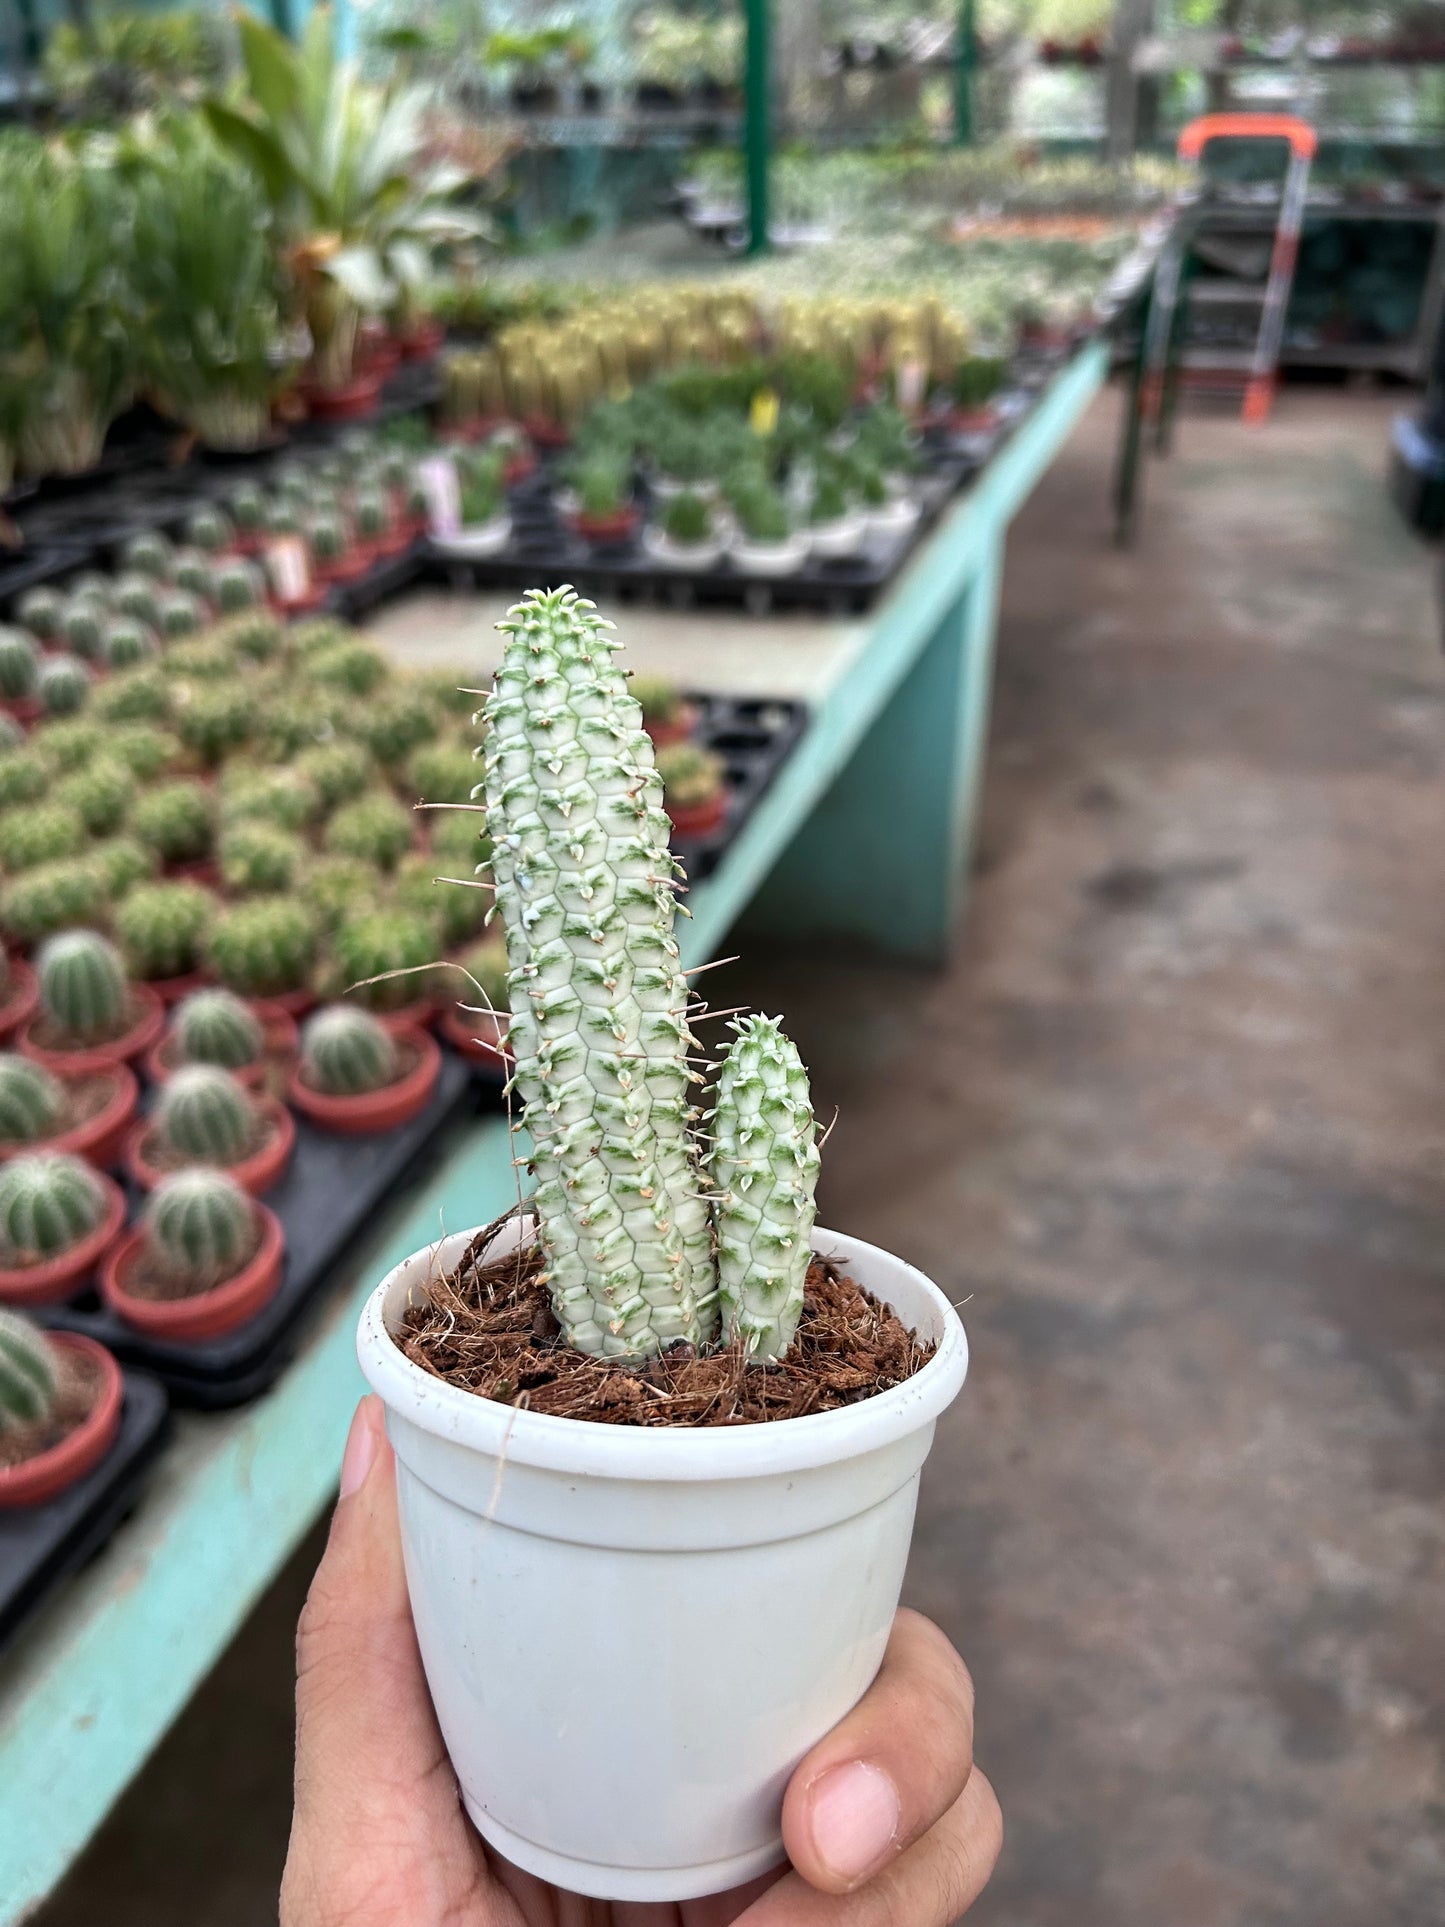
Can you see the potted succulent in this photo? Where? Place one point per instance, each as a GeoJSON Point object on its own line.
{"type": "Point", "coordinates": [659, 1254]}
{"type": "Point", "coordinates": [355, 1076]}
{"type": "Point", "coordinates": [137, 596]}
{"type": "Point", "coordinates": [452, 916]}
{"type": "Point", "coordinates": [247, 504]}
{"type": "Point", "coordinates": [57, 1216]}
{"type": "Point", "coordinates": [89, 1015]}
{"type": "Point", "coordinates": [606, 515]}
{"type": "Point", "coordinates": [125, 642]}
{"type": "Point", "coordinates": [60, 1406]}
{"type": "Point", "coordinates": [216, 1027]}
{"type": "Point", "coordinates": [694, 783]}
{"type": "Point", "coordinates": [163, 930]}
{"type": "Point", "coordinates": [39, 610]}
{"type": "Point", "coordinates": [82, 626]}
{"type": "Point", "coordinates": [688, 538]}
{"type": "Point", "coordinates": [204, 1115]}
{"type": "Point", "coordinates": [204, 1259]}
{"type": "Point", "coordinates": [259, 859]}
{"type": "Point", "coordinates": [63, 685]}
{"type": "Point", "coordinates": [383, 960]}
{"type": "Point", "coordinates": [237, 585]}
{"type": "Point", "coordinates": [180, 614]}
{"type": "Point", "coordinates": [87, 1117]}
{"type": "Point", "coordinates": [485, 525]}
{"type": "Point", "coordinates": [970, 408]}
{"type": "Point", "coordinates": [19, 994]}
{"type": "Point", "coordinates": [340, 771]}
{"type": "Point", "coordinates": [837, 528]}
{"type": "Point", "coordinates": [194, 568]}
{"type": "Point", "coordinates": [177, 821]}
{"type": "Point", "coordinates": [265, 951]}
{"type": "Point", "coordinates": [149, 553]}
{"type": "Point", "coordinates": [374, 827]}
{"type": "Point", "coordinates": [766, 543]}
{"type": "Point", "coordinates": [44, 833]}
{"type": "Point", "coordinates": [119, 863]}
{"type": "Point", "coordinates": [475, 1025]}
{"type": "Point", "coordinates": [142, 695]}
{"type": "Point", "coordinates": [99, 793]}
{"type": "Point", "coordinates": [217, 719]}
{"type": "Point", "coordinates": [667, 715]}
{"type": "Point", "coordinates": [52, 897]}
{"type": "Point", "coordinates": [210, 530]}
{"type": "Point", "coordinates": [335, 554]}
{"type": "Point", "coordinates": [19, 676]}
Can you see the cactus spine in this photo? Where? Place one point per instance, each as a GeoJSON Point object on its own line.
{"type": "Point", "coordinates": [200, 1225]}
{"type": "Point", "coordinates": [346, 1052]}
{"type": "Point", "coordinates": [82, 985]}
{"type": "Point", "coordinates": [31, 1101]}
{"type": "Point", "coordinates": [214, 1027]}
{"type": "Point", "coordinates": [584, 880]}
{"type": "Point", "coordinates": [47, 1204]}
{"type": "Point", "coordinates": [29, 1381]}
{"type": "Point", "coordinates": [205, 1116]}
{"type": "Point", "coordinates": [764, 1174]}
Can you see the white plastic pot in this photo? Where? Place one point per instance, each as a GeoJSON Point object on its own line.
{"type": "Point", "coordinates": [841, 538]}
{"type": "Point", "coordinates": [770, 558]}
{"type": "Point", "coordinates": [661, 549]}
{"type": "Point", "coordinates": [482, 539]}
{"type": "Point", "coordinates": [632, 1636]}
{"type": "Point", "coordinates": [895, 517]}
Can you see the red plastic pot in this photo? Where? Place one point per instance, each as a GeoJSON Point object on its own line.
{"type": "Point", "coordinates": [475, 430]}
{"type": "Point", "coordinates": [25, 710]}
{"type": "Point", "coordinates": [210, 1314]}
{"type": "Point", "coordinates": [280, 1044]}
{"type": "Point", "coordinates": [48, 1474]}
{"type": "Point", "coordinates": [286, 1003]}
{"type": "Point", "coordinates": [378, 353]}
{"type": "Point", "coordinates": [972, 421]}
{"type": "Point", "coordinates": [303, 605]}
{"type": "Point", "coordinates": [99, 1138]}
{"type": "Point", "coordinates": [21, 998]}
{"type": "Point", "coordinates": [370, 1111]}
{"type": "Point", "coordinates": [546, 433]}
{"type": "Point", "coordinates": [353, 401]}
{"type": "Point", "coordinates": [150, 1019]}
{"type": "Point", "coordinates": [422, 342]}
{"type": "Point", "coordinates": [256, 1173]}
{"type": "Point", "coordinates": [699, 819]}
{"type": "Point", "coordinates": [413, 1016]}
{"type": "Point", "coordinates": [173, 990]}
{"type": "Point", "coordinates": [608, 530]}
{"type": "Point", "coordinates": [358, 560]}
{"type": "Point", "coordinates": [480, 1037]}
{"type": "Point", "coordinates": [59, 1278]}
{"type": "Point", "coordinates": [664, 735]}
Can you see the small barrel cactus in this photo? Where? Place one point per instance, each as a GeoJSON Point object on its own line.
{"type": "Point", "coordinates": [210, 530]}
{"type": "Point", "coordinates": [121, 863]}
{"type": "Point", "coordinates": [164, 927]}
{"type": "Point", "coordinates": [39, 833]}
{"type": "Point", "coordinates": [194, 572]}
{"type": "Point", "coordinates": [237, 585]}
{"type": "Point", "coordinates": [396, 722]}
{"type": "Point", "coordinates": [82, 627]}
{"type": "Point", "coordinates": [51, 897]}
{"type": "Point", "coordinates": [19, 665]}
{"type": "Point", "coordinates": [375, 827]}
{"type": "Point", "coordinates": [327, 535]}
{"type": "Point", "coordinates": [345, 1052]}
{"type": "Point", "coordinates": [100, 794]}
{"type": "Point", "coordinates": [48, 1203]}
{"type": "Point", "coordinates": [454, 914]}
{"type": "Point", "coordinates": [258, 859]}
{"type": "Point", "coordinates": [126, 642]}
{"type": "Point", "coordinates": [216, 719]}
{"type": "Point", "coordinates": [143, 749]}
{"type": "Point", "coordinates": [200, 1226]}
{"type": "Point", "coordinates": [29, 1374]}
{"type": "Point", "coordinates": [286, 798]}
{"type": "Point", "coordinates": [691, 775]}
{"type": "Point", "coordinates": [32, 1102]}
{"type": "Point", "coordinates": [371, 512]}
{"type": "Point", "coordinates": [63, 685]}
{"type": "Point", "coordinates": [265, 947]}
{"type": "Point", "coordinates": [339, 770]}
{"type": "Point", "coordinates": [40, 612]}
{"type": "Point", "coordinates": [253, 633]}
{"type": "Point", "coordinates": [139, 597]}
{"type": "Point", "coordinates": [149, 553]}
{"type": "Point", "coordinates": [381, 941]}
{"type": "Point", "coordinates": [459, 839]}
{"type": "Point", "coordinates": [181, 613]}
{"type": "Point", "coordinates": [215, 1027]}
{"type": "Point", "coordinates": [444, 773]}
{"type": "Point", "coordinates": [339, 887]}
{"type": "Point", "coordinates": [282, 517]}
{"type": "Point", "coordinates": [174, 820]}
{"type": "Point", "coordinates": [248, 507]}
{"type": "Point", "coordinates": [764, 1174]}
{"type": "Point", "coordinates": [83, 988]}
{"type": "Point", "coordinates": [69, 743]}
{"type": "Point", "coordinates": [202, 658]}
{"type": "Point", "coordinates": [141, 695]}
{"type": "Point", "coordinates": [203, 1116]}
{"type": "Point", "coordinates": [355, 666]}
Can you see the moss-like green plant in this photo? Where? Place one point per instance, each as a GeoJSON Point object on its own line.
{"type": "Point", "coordinates": [265, 947]}
{"type": "Point", "coordinates": [203, 1116]}
{"type": "Point", "coordinates": [149, 553]}
{"type": "Point", "coordinates": [375, 827]}
{"type": "Point", "coordinates": [120, 863]}
{"type": "Point", "coordinates": [143, 749]}
{"type": "Point", "coordinates": [40, 611]}
{"type": "Point", "coordinates": [63, 685]}
{"type": "Point", "coordinates": [200, 1227]}
{"type": "Point", "coordinates": [346, 1051]}
{"type": "Point", "coordinates": [443, 773]}
{"type": "Point", "coordinates": [762, 514]}
{"type": "Point", "coordinates": [23, 778]}
{"type": "Point", "coordinates": [19, 665]}
{"type": "Point", "coordinates": [688, 520]}
{"type": "Point", "coordinates": [378, 942]}
{"type": "Point", "coordinates": [259, 858]}
{"type": "Point", "coordinates": [599, 1002]}
{"type": "Point", "coordinates": [48, 1203]}
{"type": "Point", "coordinates": [163, 928]}
{"type": "Point", "coordinates": [215, 1027]}
{"type": "Point", "coordinates": [355, 666]}
{"type": "Point", "coordinates": [29, 1374]}
{"type": "Point", "coordinates": [338, 771]}
{"type": "Point", "coordinates": [210, 530]}
{"type": "Point", "coordinates": [175, 820]}
{"type": "Point", "coordinates": [32, 1102]}
{"type": "Point", "coordinates": [691, 775]}
{"type": "Point", "coordinates": [100, 794]}
{"type": "Point", "coordinates": [53, 896]}
{"type": "Point", "coordinates": [39, 833]}
{"type": "Point", "coordinates": [216, 720]}
{"type": "Point", "coordinates": [82, 626]}
{"type": "Point", "coordinates": [140, 695]}
{"type": "Point", "coordinates": [126, 643]}
{"type": "Point", "coordinates": [83, 989]}
{"type": "Point", "coordinates": [181, 613]}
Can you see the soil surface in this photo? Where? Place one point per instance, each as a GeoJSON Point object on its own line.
{"type": "Point", "coordinates": [488, 1327]}
{"type": "Point", "coordinates": [79, 1386]}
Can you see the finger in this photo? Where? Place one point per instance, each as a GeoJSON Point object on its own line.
{"type": "Point", "coordinates": [890, 1770]}
{"type": "Point", "coordinates": [929, 1886]}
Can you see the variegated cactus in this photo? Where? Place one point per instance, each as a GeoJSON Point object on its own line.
{"type": "Point", "coordinates": [584, 881]}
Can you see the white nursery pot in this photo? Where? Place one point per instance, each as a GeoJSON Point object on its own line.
{"type": "Point", "coordinates": [481, 539]}
{"type": "Point", "coordinates": [632, 1636]}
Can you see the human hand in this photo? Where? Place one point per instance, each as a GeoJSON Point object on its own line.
{"type": "Point", "coordinates": [885, 1820]}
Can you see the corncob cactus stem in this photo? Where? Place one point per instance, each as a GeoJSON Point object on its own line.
{"type": "Point", "coordinates": [51, 897]}
{"type": "Point", "coordinates": [99, 794]}
{"type": "Point", "coordinates": [39, 833]}
{"type": "Point", "coordinates": [149, 554]}
{"type": "Point", "coordinates": [19, 665]}
{"type": "Point", "coordinates": [32, 1102]}
{"type": "Point", "coordinates": [83, 989]}
{"type": "Point", "coordinates": [200, 1228]}
{"type": "Point", "coordinates": [48, 1203]}
{"type": "Point", "coordinates": [174, 820]}
{"type": "Point", "coordinates": [126, 642]}
{"type": "Point", "coordinates": [265, 947]}
{"type": "Point", "coordinates": [163, 928]}
{"type": "Point", "coordinates": [345, 1052]}
{"type": "Point", "coordinates": [203, 1116]}
{"type": "Point", "coordinates": [375, 827]}
{"type": "Point", "coordinates": [599, 1029]}
{"type": "Point", "coordinates": [215, 1027]}
{"type": "Point", "coordinates": [40, 611]}
{"type": "Point", "coordinates": [29, 1375]}
{"type": "Point", "coordinates": [63, 685]}
{"type": "Point", "coordinates": [763, 1171]}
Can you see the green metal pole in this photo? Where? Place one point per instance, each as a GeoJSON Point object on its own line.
{"type": "Point", "coordinates": [757, 125]}
{"type": "Point", "coordinates": [965, 59]}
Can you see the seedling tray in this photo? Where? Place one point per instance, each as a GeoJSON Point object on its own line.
{"type": "Point", "coordinates": [333, 1189]}
{"type": "Point", "coordinates": [354, 601]}
{"type": "Point", "coordinates": [28, 567]}
{"type": "Point", "coordinates": [41, 1545]}
{"type": "Point", "coordinates": [754, 736]}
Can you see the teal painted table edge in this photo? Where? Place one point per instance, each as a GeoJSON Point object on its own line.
{"type": "Point", "coordinates": [87, 1693]}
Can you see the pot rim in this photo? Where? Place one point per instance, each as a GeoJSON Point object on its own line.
{"type": "Point", "coordinates": [587, 1448]}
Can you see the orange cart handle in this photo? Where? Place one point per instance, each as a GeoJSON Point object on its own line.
{"type": "Point", "coordinates": [1300, 135]}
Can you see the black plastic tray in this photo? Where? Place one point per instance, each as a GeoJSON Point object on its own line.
{"type": "Point", "coordinates": [754, 735]}
{"type": "Point", "coordinates": [354, 601]}
{"type": "Point", "coordinates": [42, 1544]}
{"type": "Point", "coordinates": [28, 567]}
{"type": "Point", "coordinates": [333, 1187]}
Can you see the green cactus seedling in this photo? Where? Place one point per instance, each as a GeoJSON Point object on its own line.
{"type": "Point", "coordinates": [258, 858]}
{"type": "Point", "coordinates": [48, 1203]}
{"type": "Point", "coordinates": [84, 994]}
{"type": "Point", "coordinates": [141, 695]}
{"type": "Point", "coordinates": [12, 736]}
{"type": "Point", "coordinates": [143, 749]}
{"type": "Point", "coordinates": [200, 1228]}
{"type": "Point", "coordinates": [340, 887]}
{"type": "Point", "coordinates": [63, 685]}
{"type": "Point", "coordinates": [174, 820]}
{"type": "Point", "coordinates": [659, 699]}
{"type": "Point", "coordinates": [194, 572]}
{"type": "Point", "coordinates": [327, 535]}
{"type": "Point", "coordinates": [126, 642]}
{"type": "Point", "coordinates": [459, 839]}
{"type": "Point", "coordinates": [371, 512]}
{"type": "Point", "coordinates": [68, 743]}
{"type": "Point", "coordinates": [29, 1375]}
{"type": "Point", "coordinates": [346, 1052]}
{"type": "Point", "coordinates": [120, 863]}
{"type": "Point", "coordinates": [381, 941]}
{"type": "Point", "coordinates": [181, 613]}
{"type": "Point", "coordinates": [40, 611]}
{"type": "Point", "coordinates": [82, 627]}
{"type": "Point", "coordinates": [91, 585]}
{"type": "Point", "coordinates": [164, 928]}
{"type": "Point", "coordinates": [282, 517]}
{"type": "Point", "coordinates": [203, 1116]}
{"type": "Point", "coordinates": [139, 597]}
{"type": "Point", "coordinates": [248, 507]}
{"type": "Point", "coordinates": [395, 722]}
{"type": "Point", "coordinates": [253, 633]}
{"type": "Point", "coordinates": [375, 827]}
{"type": "Point", "coordinates": [19, 665]}
{"type": "Point", "coordinates": [32, 1102]}
{"type": "Point", "coordinates": [265, 947]}
{"type": "Point", "coordinates": [210, 530]}
{"type": "Point", "coordinates": [283, 797]}
{"type": "Point", "coordinates": [339, 771]}
{"type": "Point", "coordinates": [444, 773]}
{"type": "Point", "coordinates": [23, 778]}
{"type": "Point", "coordinates": [691, 775]}
{"type": "Point", "coordinates": [424, 889]}
{"type": "Point", "coordinates": [237, 586]}
{"type": "Point", "coordinates": [149, 553]}
{"type": "Point", "coordinates": [355, 666]}
{"type": "Point", "coordinates": [39, 833]}
{"type": "Point", "coordinates": [100, 794]}
{"type": "Point", "coordinates": [216, 720]}
{"type": "Point", "coordinates": [215, 1027]}
{"type": "Point", "coordinates": [51, 897]}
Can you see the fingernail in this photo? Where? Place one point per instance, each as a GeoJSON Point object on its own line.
{"type": "Point", "coordinates": [360, 1449]}
{"type": "Point", "coordinates": [855, 1819]}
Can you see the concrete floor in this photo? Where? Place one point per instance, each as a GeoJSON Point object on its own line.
{"type": "Point", "coordinates": [1173, 1125]}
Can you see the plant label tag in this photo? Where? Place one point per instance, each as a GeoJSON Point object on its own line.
{"type": "Point", "coordinates": [438, 477]}
{"type": "Point", "coordinates": [288, 568]}
{"type": "Point", "coordinates": [763, 415]}
{"type": "Point", "coordinates": [910, 382]}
